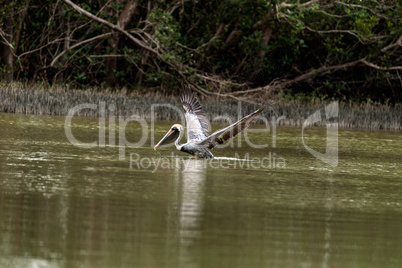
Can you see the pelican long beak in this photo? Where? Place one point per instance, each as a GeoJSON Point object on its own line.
{"type": "Point", "coordinates": [165, 138]}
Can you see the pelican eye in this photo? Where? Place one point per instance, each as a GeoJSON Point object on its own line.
{"type": "Point", "coordinates": [174, 128]}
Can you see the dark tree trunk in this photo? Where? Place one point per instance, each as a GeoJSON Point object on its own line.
{"type": "Point", "coordinates": [8, 49]}
{"type": "Point", "coordinates": [111, 62]}
{"type": "Point", "coordinates": [11, 36]}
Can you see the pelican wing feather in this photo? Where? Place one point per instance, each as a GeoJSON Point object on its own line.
{"type": "Point", "coordinates": [197, 122]}
{"type": "Point", "coordinates": [225, 134]}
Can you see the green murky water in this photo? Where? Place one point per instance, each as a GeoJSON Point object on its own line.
{"type": "Point", "coordinates": [65, 206]}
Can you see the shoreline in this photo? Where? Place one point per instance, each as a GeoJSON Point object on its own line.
{"type": "Point", "coordinates": [20, 100]}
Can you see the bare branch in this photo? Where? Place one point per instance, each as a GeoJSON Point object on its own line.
{"type": "Point", "coordinates": [3, 36]}
{"type": "Point", "coordinates": [335, 31]}
{"type": "Point", "coordinates": [216, 36]}
{"type": "Point", "coordinates": [362, 7]}
{"type": "Point", "coordinates": [174, 65]}
{"type": "Point", "coordinates": [396, 44]}
{"type": "Point", "coordinates": [77, 45]}
{"type": "Point", "coordinates": [40, 48]}
{"type": "Point", "coordinates": [309, 3]}
{"type": "Point", "coordinates": [113, 26]}
{"type": "Point", "coordinates": [281, 84]}
{"type": "Point", "coordinates": [374, 66]}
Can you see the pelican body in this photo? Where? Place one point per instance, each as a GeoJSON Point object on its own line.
{"type": "Point", "coordinates": [199, 142]}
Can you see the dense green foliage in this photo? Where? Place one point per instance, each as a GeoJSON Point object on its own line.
{"type": "Point", "coordinates": [348, 50]}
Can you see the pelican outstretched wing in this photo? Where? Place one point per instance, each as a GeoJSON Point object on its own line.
{"type": "Point", "coordinates": [223, 135]}
{"type": "Point", "coordinates": [197, 122]}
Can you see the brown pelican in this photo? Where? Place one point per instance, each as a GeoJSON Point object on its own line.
{"type": "Point", "coordinates": [198, 139]}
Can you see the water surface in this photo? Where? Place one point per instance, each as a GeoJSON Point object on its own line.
{"type": "Point", "coordinates": [64, 206]}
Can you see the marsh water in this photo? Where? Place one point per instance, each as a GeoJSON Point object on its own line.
{"type": "Point", "coordinates": [277, 206]}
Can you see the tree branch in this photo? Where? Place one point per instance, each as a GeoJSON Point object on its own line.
{"type": "Point", "coordinates": [113, 26]}
{"type": "Point", "coordinates": [336, 31]}
{"type": "Point", "coordinates": [281, 84]}
{"type": "Point", "coordinates": [374, 66]}
{"type": "Point", "coordinates": [397, 43]}
{"type": "Point", "coordinates": [77, 45]}
{"type": "Point", "coordinates": [309, 3]}
{"type": "Point", "coordinates": [362, 7]}
{"type": "Point", "coordinates": [174, 65]}
{"type": "Point", "coordinates": [3, 36]}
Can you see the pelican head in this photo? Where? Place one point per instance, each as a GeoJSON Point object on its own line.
{"type": "Point", "coordinates": [172, 134]}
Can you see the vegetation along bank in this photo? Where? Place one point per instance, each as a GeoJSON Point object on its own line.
{"type": "Point", "coordinates": [17, 99]}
